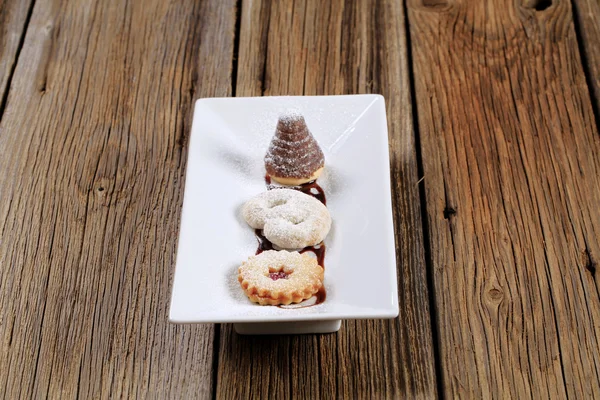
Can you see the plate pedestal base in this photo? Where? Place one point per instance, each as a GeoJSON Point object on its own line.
{"type": "Point", "coordinates": [287, 328]}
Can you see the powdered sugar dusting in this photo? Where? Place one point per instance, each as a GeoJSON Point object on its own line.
{"type": "Point", "coordinates": [303, 276]}
{"type": "Point", "coordinates": [235, 142]}
{"type": "Point", "coordinates": [327, 121]}
{"type": "Point", "coordinates": [291, 115]}
{"type": "Point", "coordinates": [289, 218]}
{"type": "Point", "coordinates": [262, 129]}
{"type": "Point", "coordinates": [293, 151]}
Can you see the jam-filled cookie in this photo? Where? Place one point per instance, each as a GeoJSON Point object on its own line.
{"type": "Point", "coordinates": [280, 277]}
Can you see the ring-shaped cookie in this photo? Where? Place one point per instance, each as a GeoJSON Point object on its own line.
{"type": "Point", "coordinates": [289, 218]}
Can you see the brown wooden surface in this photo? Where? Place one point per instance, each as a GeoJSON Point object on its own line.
{"type": "Point", "coordinates": [97, 100]}
{"type": "Point", "coordinates": [313, 48]}
{"type": "Point", "coordinates": [587, 16]}
{"type": "Point", "coordinates": [512, 176]}
{"type": "Point", "coordinates": [13, 23]}
{"type": "Point", "coordinates": [92, 157]}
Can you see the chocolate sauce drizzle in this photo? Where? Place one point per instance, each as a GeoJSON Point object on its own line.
{"type": "Point", "coordinates": [319, 251]}
{"type": "Point", "coordinates": [264, 244]}
{"type": "Point", "coordinates": [313, 189]}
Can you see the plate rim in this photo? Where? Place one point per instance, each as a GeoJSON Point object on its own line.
{"type": "Point", "coordinates": [361, 314]}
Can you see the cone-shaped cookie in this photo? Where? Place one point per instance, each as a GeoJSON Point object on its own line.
{"type": "Point", "coordinates": [294, 156]}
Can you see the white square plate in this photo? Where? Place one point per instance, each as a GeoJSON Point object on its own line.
{"type": "Point", "coordinates": [225, 169]}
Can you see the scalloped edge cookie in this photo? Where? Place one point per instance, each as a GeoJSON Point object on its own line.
{"type": "Point", "coordinates": [280, 277]}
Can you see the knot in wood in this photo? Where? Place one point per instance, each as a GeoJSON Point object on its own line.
{"type": "Point", "coordinates": [496, 295]}
{"type": "Point", "coordinates": [435, 5]}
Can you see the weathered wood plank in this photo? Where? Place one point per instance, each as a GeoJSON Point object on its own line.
{"type": "Point", "coordinates": [13, 23]}
{"type": "Point", "coordinates": [587, 18]}
{"type": "Point", "coordinates": [311, 47]}
{"type": "Point", "coordinates": [512, 176]}
{"type": "Point", "coordinates": [92, 157]}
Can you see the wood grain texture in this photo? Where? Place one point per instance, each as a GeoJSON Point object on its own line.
{"type": "Point", "coordinates": [312, 48]}
{"type": "Point", "coordinates": [587, 19]}
{"type": "Point", "coordinates": [92, 157]}
{"type": "Point", "coordinates": [512, 175]}
{"type": "Point", "coordinates": [13, 22]}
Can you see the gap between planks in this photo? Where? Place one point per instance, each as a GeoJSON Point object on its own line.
{"type": "Point", "coordinates": [13, 66]}
{"type": "Point", "coordinates": [587, 60]}
{"type": "Point", "coordinates": [423, 200]}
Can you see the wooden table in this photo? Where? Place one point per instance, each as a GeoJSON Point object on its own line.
{"type": "Point", "coordinates": [495, 156]}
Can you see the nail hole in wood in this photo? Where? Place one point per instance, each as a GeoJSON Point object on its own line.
{"type": "Point", "coordinates": [449, 212]}
{"type": "Point", "coordinates": [592, 268]}
{"type": "Point", "coordinates": [101, 189]}
{"type": "Point", "coordinates": [590, 265]}
{"type": "Point", "coordinates": [539, 5]}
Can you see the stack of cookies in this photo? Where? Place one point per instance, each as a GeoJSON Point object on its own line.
{"type": "Point", "coordinates": [292, 221]}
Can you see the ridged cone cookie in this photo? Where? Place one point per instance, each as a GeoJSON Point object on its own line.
{"type": "Point", "coordinates": [294, 156]}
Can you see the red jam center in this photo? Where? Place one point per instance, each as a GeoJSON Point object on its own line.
{"type": "Point", "coordinates": [278, 275]}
